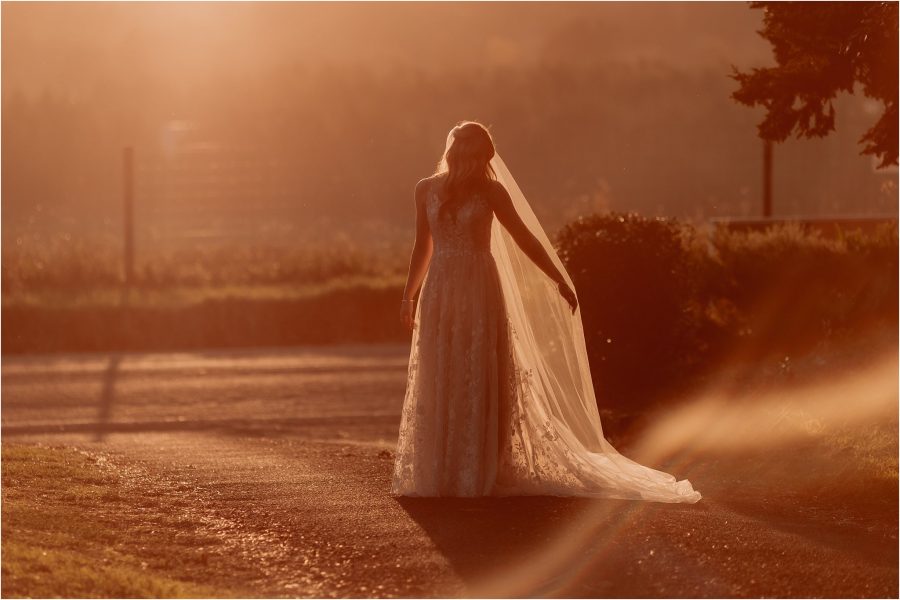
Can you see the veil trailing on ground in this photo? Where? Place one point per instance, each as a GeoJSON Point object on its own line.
{"type": "Point", "coordinates": [559, 442]}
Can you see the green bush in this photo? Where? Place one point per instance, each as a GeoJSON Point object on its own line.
{"type": "Point", "coordinates": [663, 303]}
{"type": "Point", "coordinates": [639, 285]}
{"type": "Point", "coordinates": [790, 286]}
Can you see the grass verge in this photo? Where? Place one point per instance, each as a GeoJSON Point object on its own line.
{"type": "Point", "coordinates": [352, 312]}
{"type": "Point", "coordinates": [72, 528]}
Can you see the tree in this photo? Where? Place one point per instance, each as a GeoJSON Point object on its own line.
{"type": "Point", "coordinates": [821, 49]}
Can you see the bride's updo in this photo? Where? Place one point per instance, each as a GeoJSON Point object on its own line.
{"type": "Point", "coordinates": [467, 157]}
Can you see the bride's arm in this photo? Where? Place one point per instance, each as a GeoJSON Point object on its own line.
{"type": "Point", "coordinates": [421, 256]}
{"type": "Point", "coordinates": [508, 216]}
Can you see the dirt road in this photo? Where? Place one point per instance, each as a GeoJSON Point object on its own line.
{"type": "Point", "coordinates": [287, 454]}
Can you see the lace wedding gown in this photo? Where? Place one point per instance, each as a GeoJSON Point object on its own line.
{"type": "Point", "coordinates": [458, 382]}
{"type": "Point", "coordinates": [471, 425]}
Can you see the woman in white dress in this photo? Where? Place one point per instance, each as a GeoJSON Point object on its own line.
{"type": "Point", "coordinates": [499, 398]}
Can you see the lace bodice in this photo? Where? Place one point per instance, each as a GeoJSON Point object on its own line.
{"type": "Point", "coordinates": [464, 227]}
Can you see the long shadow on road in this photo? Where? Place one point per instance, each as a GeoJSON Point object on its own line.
{"type": "Point", "coordinates": [541, 546]}
{"type": "Point", "coordinates": [743, 539]}
{"type": "Point", "coordinates": [107, 396]}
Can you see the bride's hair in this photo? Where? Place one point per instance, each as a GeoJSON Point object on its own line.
{"type": "Point", "coordinates": [467, 157]}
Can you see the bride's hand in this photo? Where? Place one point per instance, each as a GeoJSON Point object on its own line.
{"type": "Point", "coordinates": [406, 313]}
{"type": "Point", "coordinates": [568, 295]}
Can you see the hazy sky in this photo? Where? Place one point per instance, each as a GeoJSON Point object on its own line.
{"type": "Point", "coordinates": [69, 46]}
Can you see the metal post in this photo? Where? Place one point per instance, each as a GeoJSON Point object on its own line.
{"type": "Point", "coordinates": [128, 177]}
{"type": "Point", "coordinates": [767, 178]}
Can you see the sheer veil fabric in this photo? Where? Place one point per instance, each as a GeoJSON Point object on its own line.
{"type": "Point", "coordinates": [558, 447]}
{"type": "Point", "coordinates": [562, 448]}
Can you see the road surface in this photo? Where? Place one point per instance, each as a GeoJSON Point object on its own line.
{"type": "Point", "coordinates": [292, 450]}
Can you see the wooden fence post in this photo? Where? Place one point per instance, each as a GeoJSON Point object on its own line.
{"type": "Point", "coordinates": [128, 197]}
{"type": "Point", "coordinates": [767, 178]}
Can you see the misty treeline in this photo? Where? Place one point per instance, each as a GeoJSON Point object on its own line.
{"type": "Point", "coordinates": [345, 145]}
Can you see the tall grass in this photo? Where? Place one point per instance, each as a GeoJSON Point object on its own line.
{"type": "Point", "coordinates": [59, 263]}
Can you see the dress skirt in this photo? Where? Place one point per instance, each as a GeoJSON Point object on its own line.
{"type": "Point", "coordinates": [456, 408]}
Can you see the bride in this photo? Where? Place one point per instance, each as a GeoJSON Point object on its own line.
{"type": "Point", "coordinates": [499, 399]}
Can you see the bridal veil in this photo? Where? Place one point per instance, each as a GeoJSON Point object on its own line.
{"type": "Point", "coordinates": [560, 447]}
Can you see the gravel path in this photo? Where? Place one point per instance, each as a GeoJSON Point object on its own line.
{"type": "Point", "coordinates": [286, 455]}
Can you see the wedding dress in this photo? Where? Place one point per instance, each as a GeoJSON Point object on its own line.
{"type": "Point", "coordinates": [499, 398]}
